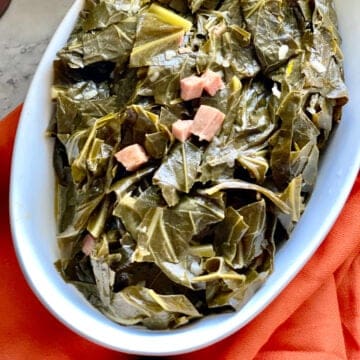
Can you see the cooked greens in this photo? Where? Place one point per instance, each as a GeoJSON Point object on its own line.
{"type": "Point", "coordinates": [192, 229]}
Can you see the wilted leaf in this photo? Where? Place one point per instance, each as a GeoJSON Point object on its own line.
{"type": "Point", "coordinates": [178, 170]}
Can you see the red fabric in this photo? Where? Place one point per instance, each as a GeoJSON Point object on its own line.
{"type": "Point", "coordinates": [317, 317]}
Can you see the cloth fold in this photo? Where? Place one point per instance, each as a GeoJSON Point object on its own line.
{"type": "Point", "coordinates": [317, 316]}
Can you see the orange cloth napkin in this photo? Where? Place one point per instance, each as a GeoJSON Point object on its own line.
{"type": "Point", "coordinates": [316, 317]}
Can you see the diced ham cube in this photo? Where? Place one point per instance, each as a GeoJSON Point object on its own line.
{"type": "Point", "coordinates": [207, 122]}
{"type": "Point", "coordinates": [132, 157]}
{"type": "Point", "coordinates": [88, 244]}
{"type": "Point", "coordinates": [181, 129]}
{"type": "Point", "coordinates": [212, 82]}
{"type": "Point", "coordinates": [191, 87]}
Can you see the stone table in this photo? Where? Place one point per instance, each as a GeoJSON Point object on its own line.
{"type": "Point", "coordinates": [25, 30]}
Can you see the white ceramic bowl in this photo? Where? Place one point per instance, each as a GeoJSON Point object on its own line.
{"type": "Point", "coordinates": [33, 224]}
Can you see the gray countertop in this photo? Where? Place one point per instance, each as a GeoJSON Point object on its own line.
{"type": "Point", "coordinates": [25, 30]}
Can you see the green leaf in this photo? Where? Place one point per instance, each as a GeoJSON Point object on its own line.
{"type": "Point", "coordinates": [108, 12]}
{"type": "Point", "coordinates": [154, 37]}
{"type": "Point", "coordinates": [76, 111]}
{"type": "Point", "coordinates": [137, 304]}
{"type": "Point", "coordinates": [243, 185]}
{"type": "Point", "coordinates": [228, 235]}
{"type": "Point", "coordinates": [166, 233]}
{"type": "Point", "coordinates": [256, 163]}
{"type": "Point", "coordinates": [247, 128]}
{"type": "Point", "coordinates": [137, 123]}
{"type": "Point", "coordinates": [178, 170]}
{"type": "Point", "coordinates": [111, 43]}
{"type": "Point", "coordinates": [292, 196]}
{"type": "Point", "coordinates": [104, 278]}
{"type": "Point", "coordinates": [225, 287]}
{"type": "Point", "coordinates": [227, 50]}
{"type": "Point", "coordinates": [254, 240]}
{"type": "Point", "coordinates": [131, 209]}
{"type": "Point", "coordinates": [289, 110]}
{"type": "Point", "coordinates": [274, 28]}
{"type": "Point", "coordinates": [157, 144]}
{"type": "Point", "coordinates": [128, 183]}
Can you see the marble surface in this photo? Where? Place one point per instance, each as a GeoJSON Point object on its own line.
{"type": "Point", "coordinates": [25, 30]}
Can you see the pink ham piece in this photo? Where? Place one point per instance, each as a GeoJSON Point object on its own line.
{"type": "Point", "coordinates": [88, 244]}
{"type": "Point", "coordinates": [207, 122]}
{"type": "Point", "coordinates": [191, 87]}
{"type": "Point", "coordinates": [132, 157]}
{"type": "Point", "coordinates": [212, 82]}
{"type": "Point", "coordinates": [181, 129]}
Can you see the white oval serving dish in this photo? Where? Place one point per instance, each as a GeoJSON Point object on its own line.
{"type": "Point", "coordinates": [33, 222]}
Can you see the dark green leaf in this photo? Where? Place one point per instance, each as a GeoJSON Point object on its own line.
{"type": "Point", "coordinates": [178, 170]}
{"type": "Point", "coordinates": [154, 37]}
{"type": "Point", "coordinates": [136, 304]}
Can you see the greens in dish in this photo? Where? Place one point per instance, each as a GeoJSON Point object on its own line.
{"type": "Point", "coordinates": [187, 139]}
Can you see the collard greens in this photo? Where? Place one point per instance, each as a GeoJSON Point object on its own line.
{"type": "Point", "coordinates": [194, 230]}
